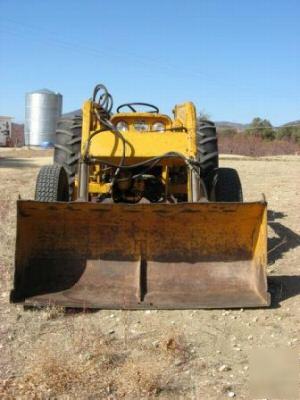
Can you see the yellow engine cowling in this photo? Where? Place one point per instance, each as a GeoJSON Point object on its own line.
{"type": "Point", "coordinates": [179, 136]}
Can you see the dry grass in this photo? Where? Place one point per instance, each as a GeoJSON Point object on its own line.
{"type": "Point", "coordinates": [11, 188]}
{"type": "Point", "coordinates": [24, 152]}
{"type": "Point", "coordinates": [52, 354]}
{"type": "Point", "coordinates": [84, 366]}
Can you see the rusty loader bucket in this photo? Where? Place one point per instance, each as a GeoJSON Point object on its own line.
{"type": "Point", "coordinates": [169, 256]}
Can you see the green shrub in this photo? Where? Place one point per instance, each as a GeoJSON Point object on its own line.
{"type": "Point", "coordinates": [261, 127]}
{"type": "Point", "coordinates": [289, 133]}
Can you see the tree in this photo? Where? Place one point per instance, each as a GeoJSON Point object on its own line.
{"type": "Point", "coordinates": [203, 116]}
{"type": "Point", "coordinates": [261, 127]}
{"type": "Point", "coordinates": [289, 132]}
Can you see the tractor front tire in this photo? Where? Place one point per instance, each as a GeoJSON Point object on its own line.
{"type": "Point", "coordinates": [52, 184]}
{"type": "Point", "coordinates": [226, 186]}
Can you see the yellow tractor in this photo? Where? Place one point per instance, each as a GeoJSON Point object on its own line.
{"type": "Point", "coordinates": [136, 213]}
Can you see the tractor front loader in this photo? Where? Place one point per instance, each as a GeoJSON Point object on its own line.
{"type": "Point", "coordinates": [135, 212]}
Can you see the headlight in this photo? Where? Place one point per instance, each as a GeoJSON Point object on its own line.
{"type": "Point", "coordinates": [122, 126]}
{"type": "Point", "coordinates": [158, 126]}
{"type": "Point", "coordinates": [141, 126]}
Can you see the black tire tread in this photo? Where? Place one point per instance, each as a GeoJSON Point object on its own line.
{"type": "Point", "coordinates": [67, 147]}
{"type": "Point", "coordinates": [207, 148]}
{"type": "Point", "coordinates": [51, 184]}
{"type": "Point", "coordinates": [226, 186]}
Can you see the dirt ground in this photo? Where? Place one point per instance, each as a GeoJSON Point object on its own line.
{"type": "Point", "coordinates": [191, 354]}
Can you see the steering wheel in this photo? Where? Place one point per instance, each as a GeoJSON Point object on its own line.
{"type": "Point", "coordinates": [154, 109]}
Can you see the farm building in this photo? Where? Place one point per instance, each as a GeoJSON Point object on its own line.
{"type": "Point", "coordinates": [5, 130]}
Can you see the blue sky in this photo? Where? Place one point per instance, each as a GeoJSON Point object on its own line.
{"type": "Point", "coordinates": [235, 59]}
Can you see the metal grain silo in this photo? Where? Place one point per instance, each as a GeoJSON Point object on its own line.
{"type": "Point", "coordinates": [42, 109]}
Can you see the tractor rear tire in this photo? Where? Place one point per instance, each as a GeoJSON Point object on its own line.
{"type": "Point", "coordinates": [226, 186]}
{"type": "Point", "coordinates": [52, 184]}
{"type": "Point", "coordinates": [67, 147]}
{"type": "Point", "coordinates": [207, 148]}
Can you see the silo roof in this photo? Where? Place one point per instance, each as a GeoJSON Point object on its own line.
{"type": "Point", "coordinates": [43, 91]}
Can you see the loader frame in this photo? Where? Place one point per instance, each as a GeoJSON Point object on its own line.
{"type": "Point", "coordinates": [179, 136]}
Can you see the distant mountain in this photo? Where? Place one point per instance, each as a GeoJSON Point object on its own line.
{"type": "Point", "coordinates": [241, 127]}
{"type": "Point", "coordinates": [232, 125]}
{"type": "Point", "coordinates": [294, 123]}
